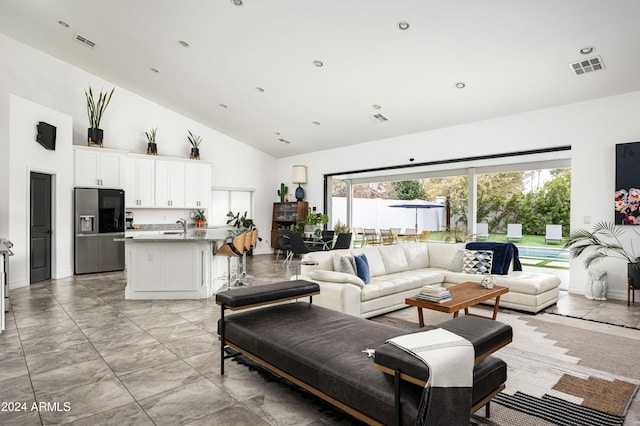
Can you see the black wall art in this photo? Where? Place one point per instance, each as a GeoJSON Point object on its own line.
{"type": "Point", "coordinates": [627, 195]}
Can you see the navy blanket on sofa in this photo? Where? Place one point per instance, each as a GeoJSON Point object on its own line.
{"type": "Point", "coordinates": [502, 255]}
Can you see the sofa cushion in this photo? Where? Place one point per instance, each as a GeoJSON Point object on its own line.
{"type": "Point", "coordinates": [362, 268]}
{"type": "Point", "coordinates": [400, 281]}
{"type": "Point", "coordinates": [477, 262]}
{"type": "Point", "coordinates": [335, 277]}
{"type": "Point", "coordinates": [342, 263]}
{"type": "Point", "coordinates": [440, 254]}
{"type": "Point", "coordinates": [457, 261]}
{"type": "Point", "coordinates": [394, 259]}
{"type": "Point", "coordinates": [417, 254]}
{"type": "Point", "coordinates": [376, 266]}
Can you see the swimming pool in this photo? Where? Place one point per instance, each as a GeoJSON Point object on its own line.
{"type": "Point", "coordinates": [543, 253]}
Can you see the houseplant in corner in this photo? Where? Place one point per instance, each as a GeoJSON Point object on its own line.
{"type": "Point", "coordinates": [95, 111]}
{"type": "Point", "coordinates": [605, 240]}
{"type": "Point", "coordinates": [195, 142]}
{"type": "Point", "coordinates": [152, 147]}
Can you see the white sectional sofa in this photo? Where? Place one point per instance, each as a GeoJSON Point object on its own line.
{"type": "Point", "coordinates": [398, 271]}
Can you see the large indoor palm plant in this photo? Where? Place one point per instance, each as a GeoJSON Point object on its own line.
{"type": "Point", "coordinates": [605, 240]}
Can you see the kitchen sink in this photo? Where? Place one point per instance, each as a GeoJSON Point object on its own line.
{"type": "Point", "coordinates": [172, 233]}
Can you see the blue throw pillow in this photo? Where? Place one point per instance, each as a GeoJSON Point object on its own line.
{"type": "Point", "coordinates": [362, 268]}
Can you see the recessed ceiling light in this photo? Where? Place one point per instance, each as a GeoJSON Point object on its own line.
{"type": "Point", "coordinates": [259, 89]}
{"type": "Point", "coordinates": [318, 63]}
{"type": "Point", "coordinates": [183, 43]}
{"type": "Point", "coordinates": [237, 2]}
{"type": "Point", "coordinates": [63, 24]}
{"type": "Point", "coordinates": [376, 106]}
{"type": "Point", "coordinates": [155, 70]}
{"type": "Point", "coordinates": [587, 50]}
{"type": "Point", "coordinates": [403, 25]}
{"type": "Point", "coordinates": [223, 106]}
{"type": "Point", "coordinates": [317, 123]}
{"type": "Point", "coordinates": [460, 85]}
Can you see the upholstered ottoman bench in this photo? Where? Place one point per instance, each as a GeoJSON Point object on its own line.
{"type": "Point", "coordinates": [321, 350]}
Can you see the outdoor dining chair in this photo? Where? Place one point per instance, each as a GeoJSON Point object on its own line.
{"type": "Point", "coordinates": [386, 237]}
{"type": "Point", "coordinates": [514, 231]}
{"type": "Point", "coordinates": [370, 237]}
{"type": "Point", "coordinates": [553, 233]}
{"type": "Point", "coordinates": [482, 231]}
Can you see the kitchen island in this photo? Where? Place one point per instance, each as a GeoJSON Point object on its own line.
{"type": "Point", "coordinates": [175, 265]}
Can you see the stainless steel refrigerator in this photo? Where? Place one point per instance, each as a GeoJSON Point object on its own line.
{"type": "Point", "coordinates": [99, 219]}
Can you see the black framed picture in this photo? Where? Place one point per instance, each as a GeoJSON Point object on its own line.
{"type": "Point", "coordinates": [627, 194]}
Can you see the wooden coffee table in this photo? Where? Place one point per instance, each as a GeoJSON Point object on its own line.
{"type": "Point", "coordinates": [463, 296]}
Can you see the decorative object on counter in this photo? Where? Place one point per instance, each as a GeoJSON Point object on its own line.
{"type": "Point", "coordinates": [200, 218]}
{"type": "Point", "coordinates": [282, 192]}
{"type": "Point", "coordinates": [195, 142]}
{"type": "Point", "coordinates": [299, 175]}
{"type": "Point", "coordinates": [95, 111]}
{"type": "Point", "coordinates": [152, 147]}
{"type": "Point", "coordinates": [488, 282]}
{"type": "Point", "coordinates": [605, 241]}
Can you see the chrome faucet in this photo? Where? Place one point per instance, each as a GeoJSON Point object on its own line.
{"type": "Point", "coordinates": [183, 223]}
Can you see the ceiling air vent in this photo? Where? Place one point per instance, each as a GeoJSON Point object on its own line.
{"type": "Point", "coordinates": [85, 41]}
{"type": "Point", "coordinates": [283, 141]}
{"type": "Point", "coordinates": [587, 65]}
{"type": "Point", "coordinates": [379, 117]}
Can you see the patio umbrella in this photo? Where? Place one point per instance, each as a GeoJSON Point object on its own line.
{"type": "Point", "coordinates": [418, 204]}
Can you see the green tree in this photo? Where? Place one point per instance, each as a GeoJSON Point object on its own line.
{"type": "Point", "coordinates": [407, 190]}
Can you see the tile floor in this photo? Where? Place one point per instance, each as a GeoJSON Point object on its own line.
{"type": "Point", "coordinates": [89, 357]}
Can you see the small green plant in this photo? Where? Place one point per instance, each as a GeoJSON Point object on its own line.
{"type": "Point", "coordinates": [200, 215]}
{"type": "Point", "coordinates": [151, 136]}
{"type": "Point", "coordinates": [341, 228]}
{"type": "Point", "coordinates": [238, 221]}
{"type": "Point", "coordinates": [316, 219]}
{"type": "Point", "coordinates": [95, 109]}
{"type": "Point", "coordinates": [282, 192]}
{"type": "Point", "coordinates": [194, 140]}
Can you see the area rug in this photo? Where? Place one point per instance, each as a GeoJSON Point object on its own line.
{"type": "Point", "coordinates": [561, 371]}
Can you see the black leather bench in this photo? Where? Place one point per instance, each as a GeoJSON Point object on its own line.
{"type": "Point", "coordinates": [321, 351]}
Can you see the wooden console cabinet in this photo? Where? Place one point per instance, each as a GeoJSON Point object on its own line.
{"type": "Point", "coordinates": [285, 216]}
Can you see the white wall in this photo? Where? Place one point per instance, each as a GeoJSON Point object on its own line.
{"type": "Point", "coordinates": [39, 84]}
{"type": "Point", "coordinates": [591, 128]}
{"type": "Point", "coordinates": [26, 156]}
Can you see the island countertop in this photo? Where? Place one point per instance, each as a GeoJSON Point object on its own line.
{"type": "Point", "coordinates": [192, 235]}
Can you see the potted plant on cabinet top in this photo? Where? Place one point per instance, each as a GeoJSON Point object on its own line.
{"type": "Point", "coordinates": [152, 147]}
{"type": "Point", "coordinates": [605, 241]}
{"type": "Point", "coordinates": [195, 142]}
{"type": "Point", "coordinates": [200, 218]}
{"type": "Point", "coordinates": [95, 111]}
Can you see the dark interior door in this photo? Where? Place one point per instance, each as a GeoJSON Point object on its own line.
{"type": "Point", "coordinates": [40, 227]}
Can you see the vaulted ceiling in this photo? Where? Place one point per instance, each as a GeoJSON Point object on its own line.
{"type": "Point", "coordinates": [291, 77]}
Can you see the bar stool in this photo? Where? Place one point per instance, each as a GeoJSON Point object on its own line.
{"type": "Point", "coordinates": [233, 249]}
{"type": "Point", "coordinates": [249, 243]}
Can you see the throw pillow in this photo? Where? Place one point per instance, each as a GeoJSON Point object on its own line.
{"type": "Point", "coordinates": [455, 265]}
{"type": "Point", "coordinates": [342, 263]}
{"type": "Point", "coordinates": [362, 268]}
{"type": "Point", "coordinates": [477, 262]}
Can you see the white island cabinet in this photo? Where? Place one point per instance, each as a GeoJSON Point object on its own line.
{"type": "Point", "coordinates": [173, 266]}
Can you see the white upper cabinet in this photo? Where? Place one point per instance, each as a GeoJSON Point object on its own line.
{"type": "Point", "coordinates": [140, 188]}
{"type": "Point", "coordinates": [100, 168]}
{"type": "Point", "coordinates": [170, 183]}
{"type": "Point", "coordinates": [197, 185]}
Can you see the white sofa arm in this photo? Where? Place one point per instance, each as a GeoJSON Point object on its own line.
{"type": "Point", "coordinates": [342, 297]}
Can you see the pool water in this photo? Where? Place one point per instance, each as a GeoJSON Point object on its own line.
{"type": "Point", "coordinates": [543, 253]}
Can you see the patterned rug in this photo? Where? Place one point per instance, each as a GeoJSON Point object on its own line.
{"type": "Point", "coordinates": [561, 371]}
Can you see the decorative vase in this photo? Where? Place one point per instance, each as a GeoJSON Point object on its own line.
{"type": "Point", "coordinates": [152, 148]}
{"type": "Point", "coordinates": [488, 281]}
{"type": "Point", "coordinates": [195, 154]}
{"type": "Point", "coordinates": [299, 193]}
{"type": "Point", "coordinates": [94, 136]}
{"type": "Point", "coordinates": [200, 223]}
